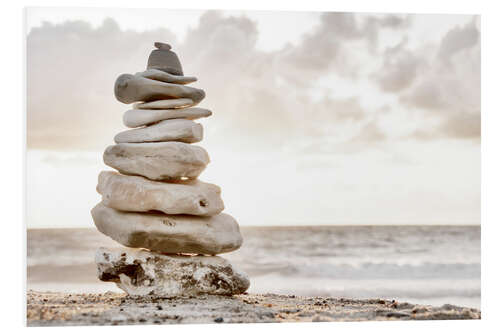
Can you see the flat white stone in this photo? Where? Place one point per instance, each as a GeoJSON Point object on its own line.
{"type": "Point", "coordinates": [136, 118]}
{"type": "Point", "coordinates": [138, 194]}
{"type": "Point", "coordinates": [141, 272]}
{"type": "Point", "coordinates": [164, 104]}
{"type": "Point", "coordinates": [182, 130]}
{"type": "Point", "coordinates": [157, 160]}
{"type": "Point", "coordinates": [169, 233]}
{"type": "Point", "coordinates": [131, 88]}
{"type": "Point", "coordinates": [156, 74]}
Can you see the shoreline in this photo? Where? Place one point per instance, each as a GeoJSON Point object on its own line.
{"type": "Point", "coordinates": [110, 308]}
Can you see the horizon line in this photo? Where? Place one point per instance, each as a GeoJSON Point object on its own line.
{"type": "Point", "coordinates": [306, 226]}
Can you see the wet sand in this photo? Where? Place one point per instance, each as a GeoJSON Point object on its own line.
{"type": "Point", "coordinates": [62, 309]}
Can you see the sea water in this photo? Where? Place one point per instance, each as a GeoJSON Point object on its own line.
{"type": "Point", "coordinates": [432, 265]}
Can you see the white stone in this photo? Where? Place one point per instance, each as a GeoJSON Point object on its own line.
{"type": "Point", "coordinates": [136, 118]}
{"type": "Point", "coordinates": [157, 160]}
{"type": "Point", "coordinates": [138, 194]}
{"type": "Point", "coordinates": [169, 233]}
{"type": "Point", "coordinates": [141, 272]}
{"type": "Point", "coordinates": [164, 104]}
{"type": "Point", "coordinates": [183, 130]}
{"type": "Point", "coordinates": [156, 74]}
{"type": "Point", "coordinates": [131, 88]}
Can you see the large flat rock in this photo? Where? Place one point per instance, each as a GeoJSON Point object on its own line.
{"type": "Point", "coordinates": [138, 194]}
{"type": "Point", "coordinates": [141, 272]}
{"type": "Point", "coordinates": [136, 118]}
{"type": "Point", "coordinates": [169, 233]}
{"type": "Point", "coordinates": [157, 160]}
{"type": "Point", "coordinates": [182, 130]}
{"type": "Point", "coordinates": [134, 88]}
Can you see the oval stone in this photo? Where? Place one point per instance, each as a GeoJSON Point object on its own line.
{"type": "Point", "coordinates": [138, 194]}
{"type": "Point", "coordinates": [136, 118]}
{"type": "Point", "coordinates": [169, 233]}
{"type": "Point", "coordinates": [157, 160]}
{"type": "Point", "coordinates": [131, 88]}
{"type": "Point", "coordinates": [182, 130]}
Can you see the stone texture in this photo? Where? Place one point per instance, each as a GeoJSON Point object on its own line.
{"type": "Point", "coordinates": [136, 118]}
{"type": "Point", "coordinates": [81, 309]}
{"type": "Point", "coordinates": [164, 104]}
{"type": "Point", "coordinates": [157, 160]}
{"type": "Point", "coordinates": [138, 194]}
{"type": "Point", "coordinates": [169, 233]}
{"type": "Point", "coordinates": [131, 88]}
{"type": "Point", "coordinates": [155, 74]}
{"type": "Point", "coordinates": [162, 46]}
{"type": "Point", "coordinates": [165, 59]}
{"type": "Point", "coordinates": [141, 272]}
{"type": "Point", "coordinates": [182, 130]}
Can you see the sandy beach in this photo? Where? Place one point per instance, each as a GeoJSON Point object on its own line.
{"type": "Point", "coordinates": [64, 309]}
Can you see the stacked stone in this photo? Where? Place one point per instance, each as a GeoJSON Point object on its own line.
{"type": "Point", "coordinates": [170, 222]}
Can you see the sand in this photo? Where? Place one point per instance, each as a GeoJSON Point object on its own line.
{"type": "Point", "coordinates": [62, 309]}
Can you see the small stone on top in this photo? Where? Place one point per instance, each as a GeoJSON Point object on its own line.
{"type": "Point", "coordinates": [162, 46]}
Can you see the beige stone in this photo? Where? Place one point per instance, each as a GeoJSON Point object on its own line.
{"type": "Point", "coordinates": [169, 233]}
{"type": "Point", "coordinates": [138, 194]}
{"type": "Point", "coordinates": [136, 118]}
{"type": "Point", "coordinates": [183, 130]}
{"type": "Point", "coordinates": [156, 74]}
{"type": "Point", "coordinates": [157, 160]}
{"type": "Point", "coordinates": [163, 104]}
{"type": "Point", "coordinates": [141, 272]}
{"type": "Point", "coordinates": [131, 88]}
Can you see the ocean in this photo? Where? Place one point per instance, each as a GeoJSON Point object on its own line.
{"type": "Point", "coordinates": [432, 265]}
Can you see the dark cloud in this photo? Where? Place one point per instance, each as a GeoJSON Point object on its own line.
{"type": "Point", "coordinates": [426, 95]}
{"type": "Point", "coordinates": [462, 125]}
{"type": "Point", "coordinates": [395, 21]}
{"type": "Point", "coordinates": [458, 39]}
{"type": "Point", "coordinates": [328, 45]}
{"type": "Point", "coordinates": [399, 69]}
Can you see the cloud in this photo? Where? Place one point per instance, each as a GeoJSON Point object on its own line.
{"type": "Point", "coordinates": [395, 21]}
{"type": "Point", "coordinates": [462, 125]}
{"type": "Point", "coordinates": [331, 43]}
{"type": "Point", "coordinates": [426, 95]}
{"type": "Point", "coordinates": [399, 69]}
{"type": "Point", "coordinates": [441, 81]}
{"type": "Point", "coordinates": [370, 132]}
{"type": "Point", "coordinates": [263, 100]}
{"type": "Point", "coordinates": [268, 95]}
{"type": "Point", "coordinates": [458, 39]}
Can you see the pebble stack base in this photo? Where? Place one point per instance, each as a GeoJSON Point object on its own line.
{"type": "Point", "coordinates": [141, 272]}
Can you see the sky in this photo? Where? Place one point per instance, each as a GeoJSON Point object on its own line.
{"type": "Point", "coordinates": [318, 118]}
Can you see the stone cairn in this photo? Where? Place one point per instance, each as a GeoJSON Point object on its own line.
{"type": "Point", "coordinates": [170, 222]}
